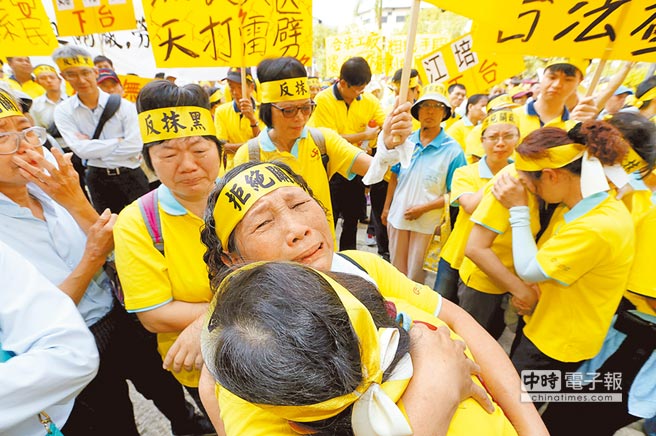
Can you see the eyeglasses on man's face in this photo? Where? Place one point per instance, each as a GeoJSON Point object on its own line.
{"type": "Point", "coordinates": [85, 73]}
{"type": "Point", "coordinates": [10, 141]}
{"type": "Point", "coordinates": [505, 138]}
{"type": "Point", "coordinates": [291, 111]}
{"type": "Point", "coordinates": [431, 105]}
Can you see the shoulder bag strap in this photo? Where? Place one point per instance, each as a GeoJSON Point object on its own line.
{"type": "Point", "coordinates": [113, 103]}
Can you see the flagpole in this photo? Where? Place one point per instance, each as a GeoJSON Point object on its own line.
{"type": "Point", "coordinates": [409, 54]}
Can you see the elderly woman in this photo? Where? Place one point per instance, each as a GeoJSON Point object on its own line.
{"type": "Point", "coordinates": [315, 154]}
{"type": "Point", "coordinates": [265, 212]}
{"type": "Point", "coordinates": [318, 363]}
{"type": "Point", "coordinates": [165, 281]}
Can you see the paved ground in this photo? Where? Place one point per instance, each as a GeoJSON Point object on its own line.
{"type": "Point", "coordinates": [152, 423]}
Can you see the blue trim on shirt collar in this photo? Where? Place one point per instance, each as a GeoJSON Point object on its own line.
{"type": "Point", "coordinates": [169, 202]}
{"type": "Point", "coordinates": [266, 144]}
{"type": "Point", "coordinates": [484, 171]}
{"type": "Point", "coordinates": [436, 142]}
{"type": "Point", "coordinates": [636, 182]}
{"type": "Point", "coordinates": [466, 121]}
{"type": "Point", "coordinates": [530, 110]}
{"type": "Point", "coordinates": [584, 206]}
{"type": "Point", "coordinates": [338, 95]}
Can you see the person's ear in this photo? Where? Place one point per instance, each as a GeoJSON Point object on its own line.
{"type": "Point", "coordinates": [550, 175]}
{"type": "Point", "coordinates": [230, 259]}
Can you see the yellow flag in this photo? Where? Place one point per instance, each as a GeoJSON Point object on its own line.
{"type": "Point", "coordinates": [25, 29]}
{"type": "Point", "coordinates": [395, 49]}
{"type": "Point", "coordinates": [204, 33]}
{"type": "Point", "coordinates": [340, 48]}
{"type": "Point", "coordinates": [132, 85]}
{"type": "Point", "coordinates": [620, 29]}
{"type": "Point", "coordinates": [456, 62]}
{"type": "Point", "coordinates": [83, 17]}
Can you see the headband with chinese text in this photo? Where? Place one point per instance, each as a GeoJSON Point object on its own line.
{"type": "Point", "coordinates": [75, 61]}
{"type": "Point", "coordinates": [434, 88]}
{"type": "Point", "coordinates": [314, 81]}
{"type": "Point", "coordinates": [499, 117]}
{"type": "Point", "coordinates": [161, 124]}
{"type": "Point", "coordinates": [647, 96]}
{"type": "Point", "coordinates": [285, 90]}
{"type": "Point", "coordinates": [594, 175]}
{"type": "Point", "coordinates": [8, 106]}
{"type": "Point", "coordinates": [43, 68]}
{"type": "Point", "coordinates": [241, 192]}
{"type": "Point", "coordinates": [503, 101]}
{"type": "Point", "coordinates": [216, 96]}
{"type": "Point", "coordinates": [413, 83]}
{"type": "Point", "coordinates": [373, 401]}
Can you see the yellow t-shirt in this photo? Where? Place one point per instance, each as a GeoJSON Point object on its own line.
{"type": "Point", "coordinates": [588, 259]}
{"type": "Point", "coordinates": [473, 144]}
{"type": "Point", "coordinates": [466, 180]}
{"type": "Point", "coordinates": [305, 159]}
{"type": "Point", "coordinates": [642, 279]}
{"type": "Point", "coordinates": [30, 87]}
{"type": "Point", "coordinates": [530, 122]}
{"type": "Point", "coordinates": [459, 131]}
{"type": "Point", "coordinates": [451, 120]}
{"type": "Point", "coordinates": [233, 128]}
{"type": "Point", "coordinates": [244, 419]}
{"type": "Point", "coordinates": [333, 113]}
{"type": "Point", "coordinates": [150, 280]}
{"type": "Point", "coordinates": [492, 215]}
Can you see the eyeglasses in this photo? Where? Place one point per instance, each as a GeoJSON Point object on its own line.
{"type": "Point", "coordinates": [84, 74]}
{"type": "Point", "coordinates": [431, 106]}
{"type": "Point", "coordinates": [290, 112]}
{"type": "Point", "coordinates": [505, 138]}
{"type": "Point", "coordinates": [10, 142]}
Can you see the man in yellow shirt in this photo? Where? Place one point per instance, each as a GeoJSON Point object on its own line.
{"type": "Point", "coordinates": [237, 121]}
{"type": "Point", "coordinates": [22, 78]}
{"type": "Point", "coordinates": [457, 94]}
{"type": "Point", "coordinates": [358, 117]}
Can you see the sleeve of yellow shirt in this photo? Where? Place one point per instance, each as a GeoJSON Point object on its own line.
{"type": "Point", "coordinates": [464, 182]}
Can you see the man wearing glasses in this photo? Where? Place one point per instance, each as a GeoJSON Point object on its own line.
{"type": "Point", "coordinates": [358, 117]}
{"type": "Point", "coordinates": [113, 154]}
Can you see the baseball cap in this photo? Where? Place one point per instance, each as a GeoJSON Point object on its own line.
{"type": "Point", "coordinates": [440, 98]}
{"type": "Point", "coordinates": [623, 90]}
{"type": "Point", "coordinates": [105, 74]}
{"type": "Point", "coordinates": [234, 74]}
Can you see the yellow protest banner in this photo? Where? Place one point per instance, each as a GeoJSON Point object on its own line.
{"type": "Point", "coordinates": [25, 29]}
{"type": "Point", "coordinates": [132, 85]}
{"type": "Point", "coordinates": [455, 62]}
{"type": "Point", "coordinates": [83, 17]}
{"type": "Point", "coordinates": [608, 29]}
{"type": "Point", "coordinates": [395, 49]}
{"type": "Point", "coordinates": [478, 10]}
{"type": "Point", "coordinates": [206, 33]}
{"type": "Point", "coordinates": [342, 47]}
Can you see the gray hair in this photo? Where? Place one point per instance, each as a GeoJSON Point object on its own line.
{"type": "Point", "coordinates": [69, 51]}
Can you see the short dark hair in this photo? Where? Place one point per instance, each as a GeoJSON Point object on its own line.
{"type": "Point", "coordinates": [215, 251]}
{"type": "Point", "coordinates": [567, 69]}
{"type": "Point", "coordinates": [472, 100]}
{"type": "Point", "coordinates": [101, 58]}
{"type": "Point", "coordinates": [282, 336]}
{"type": "Point", "coordinates": [397, 74]}
{"type": "Point", "coordinates": [355, 71]}
{"type": "Point", "coordinates": [269, 70]}
{"type": "Point", "coordinates": [454, 86]}
{"type": "Point", "coordinates": [162, 93]}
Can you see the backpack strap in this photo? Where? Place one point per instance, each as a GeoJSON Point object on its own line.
{"type": "Point", "coordinates": [350, 259]}
{"type": "Point", "coordinates": [253, 150]}
{"type": "Point", "coordinates": [111, 107]}
{"type": "Point", "coordinates": [150, 214]}
{"type": "Point", "coordinates": [320, 142]}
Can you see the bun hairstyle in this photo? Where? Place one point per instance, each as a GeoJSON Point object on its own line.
{"type": "Point", "coordinates": [603, 140]}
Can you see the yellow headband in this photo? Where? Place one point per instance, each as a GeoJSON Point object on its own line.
{"type": "Point", "coordinates": [504, 101]}
{"type": "Point", "coordinates": [8, 106]}
{"type": "Point", "coordinates": [434, 88]}
{"type": "Point", "coordinates": [499, 117]}
{"type": "Point", "coordinates": [313, 81]}
{"type": "Point", "coordinates": [216, 97]}
{"type": "Point", "coordinates": [175, 122]}
{"type": "Point", "coordinates": [557, 157]}
{"type": "Point", "coordinates": [376, 348]}
{"type": "Point", "coordinates": [579, 64]}
{"type": "Point", "coordinates": [75, 61]}
{"type": "Point", "coordinates": [413, 83]}
{"type": "Point", "coordinates": [43, 68]}
{"type": "Point", "coordinates": [632, 162]}
{"type": "Point", "coordinates": [241, 193]}
{"type": "Point", "coordinates": [285, 90]}
{"type": "Point", "coordinates": [647, 96]}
